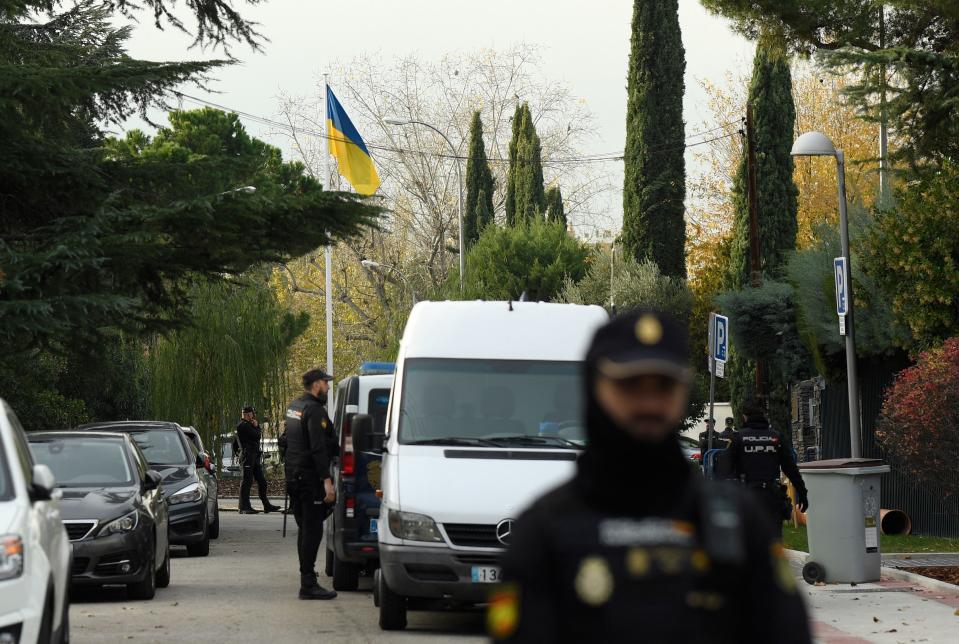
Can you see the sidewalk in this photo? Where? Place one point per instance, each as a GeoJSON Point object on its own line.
{"type": "Point", "coordinates": [232, 504]}
{"type": "Point", "coordinates": [901, 607]}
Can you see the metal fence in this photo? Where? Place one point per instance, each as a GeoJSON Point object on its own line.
{"type": "Point", "coordinates": [930, 512]}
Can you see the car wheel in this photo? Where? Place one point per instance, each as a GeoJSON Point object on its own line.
{"type": "Point", "coordinates": [163, 575]}
{"type": "Point", "coordinates": [328, 569]}
{"type": "Point", "coordinates": [215, 526]}
{"type": "Point", "coordinates": [392, 607]}
{"type": "Point", "coordinates": [346, 575]}
{"type": "Point", "coordinates": [46, 622]}
{"type": "Point", "coordinates": [147, 588]}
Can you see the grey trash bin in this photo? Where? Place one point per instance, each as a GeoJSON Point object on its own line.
{"type": "Point", "coordinates": [843, 520]}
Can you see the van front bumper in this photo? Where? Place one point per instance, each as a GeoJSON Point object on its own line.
{"type": "Point", "coordinates": [436, 573]}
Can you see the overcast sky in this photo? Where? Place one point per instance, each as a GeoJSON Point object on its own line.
{"type": "Point", "coordinates": [583, 43]}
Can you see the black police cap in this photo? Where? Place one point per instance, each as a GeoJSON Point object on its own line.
{"type": "Point", "coordinates": [313, 375]}
{"type": "Point", "coordinates": [639, 343]}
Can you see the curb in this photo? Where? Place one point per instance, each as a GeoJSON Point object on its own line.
{"type": "Point", "coordinates": [928, 583]}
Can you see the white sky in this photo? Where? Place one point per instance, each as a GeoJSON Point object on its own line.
{"type": "Point", "coordinates": [583, 43]}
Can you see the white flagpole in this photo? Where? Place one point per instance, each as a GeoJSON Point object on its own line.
{"type": "Point", "coordinates": [329, 250]}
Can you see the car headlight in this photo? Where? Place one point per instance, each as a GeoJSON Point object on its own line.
{"type": "Point", "coordinates": [11, 557]}
{"type": "Point", "coordinates": [189, 494]}
{"type": "Point", "coordinates": [126, 523]}
{"type": "Point", "coordinates": [414, 527]}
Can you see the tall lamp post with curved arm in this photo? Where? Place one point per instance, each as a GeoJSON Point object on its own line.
{"type": "Point", "coordinates": [459, 176]}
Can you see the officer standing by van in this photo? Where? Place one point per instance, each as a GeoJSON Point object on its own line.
{"type": "Point", "coordinates": [635, 547]}
{"type": "Point", "coordinates": [248, 435]}
{"type": "Point", "coordinates": [310, 448]}
{"type": "Point", "coordinates": [759, 452]}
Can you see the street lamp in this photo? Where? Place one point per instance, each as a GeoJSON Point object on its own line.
{"type": "Point", "coordinates": [816, 144]}
{"type": "Point", "coordinates": [369, 264]}
{"type": "Point", "coordinates": [459, 176]}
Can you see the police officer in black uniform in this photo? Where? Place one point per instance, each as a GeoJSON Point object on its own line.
{"type": "Point", "coordinates": [759, 452]}
{"type": "Point", "coordinates": [310, 447]}
{"type": "Point", "coordinates": [248, 434]}
{"type": "Point", "coordinates": [635, 548]}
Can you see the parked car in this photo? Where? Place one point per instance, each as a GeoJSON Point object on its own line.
{"type": "Point", "coordinates": [34, 548]}
{"type": "Point", "coordinates": [208, 474]}
{"type": "Point", "coordinates": [229, 462]}
{"type": "Point", "coordinates": [485, 416]}
{"type": "Point", "coordinates": [112, 507]}
{"type": "Point", "coordinates": [690, 447]}
{"type": "Point", "coordinates": [168, 451]}
{"type": "Point", "coordinates": [351, 543]}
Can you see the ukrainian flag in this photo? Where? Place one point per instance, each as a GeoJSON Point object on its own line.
{"type": "Point", "coordinates": [346, 144]}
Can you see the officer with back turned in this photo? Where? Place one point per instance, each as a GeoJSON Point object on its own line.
{"type": "Point", "coordinates": [310, 447]}
{"type": "Point", "coordinates": [635, 548]}
{"type": "Point", "coordinates": [759, 452]}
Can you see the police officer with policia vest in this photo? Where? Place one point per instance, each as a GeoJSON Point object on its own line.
{"type": "Point", "coordinates": [759, 452]}
{"type": "Point", "coordinates": [635, 548]}
{"type": "Point", "coordinates": [310, 448]}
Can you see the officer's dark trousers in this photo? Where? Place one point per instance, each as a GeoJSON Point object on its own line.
{"type": "Point", "coordinates": [252, 471]}
{"type": "Point", "coordinates": [771, 501]}
{"type": "Point", "coordinates": [309, 512]}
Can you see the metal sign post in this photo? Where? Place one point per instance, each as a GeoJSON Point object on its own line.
{"type": "Point", "coordinates": [718, 354]}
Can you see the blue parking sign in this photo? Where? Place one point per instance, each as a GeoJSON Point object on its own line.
{"type": "Point", "coordinates": [720, 338]}
{"type": "Point", "coordinates": [842, 285]}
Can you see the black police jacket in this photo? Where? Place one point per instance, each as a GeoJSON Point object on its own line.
{"type": "Point", "coordinates": [759, 452]}
{"type": "Point", "coordinates": [310, 441]}
{"type": "Point", "coordinates": [248, 436]}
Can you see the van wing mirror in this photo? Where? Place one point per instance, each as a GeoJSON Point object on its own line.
{"type": "Point", "coordinates": [152, 480]}
{"type": "Point", "coordinates": [44, 483]}
{"type": "Point", "coordinates": [364, 438]}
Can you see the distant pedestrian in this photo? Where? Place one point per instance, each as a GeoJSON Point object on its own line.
{"type": "Point", "coordinates": [759, 452]}
{"type": "Point", "coordinates": [635, 548]}
{"type": "Point", "coordinates": [248, 437]}
{"type": "Point", "coordinates": [310, 448]}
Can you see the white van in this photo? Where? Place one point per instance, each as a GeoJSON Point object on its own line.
{"type": "Point", "coordinates": [485, 416]}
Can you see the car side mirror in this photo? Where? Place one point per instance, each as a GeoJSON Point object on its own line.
{"type": "Point", "coordinates": [364, 438]}
{"type": "Point", "coordinates": [152, 480]}
{"type": "Point", "coordinates": [44, 483]}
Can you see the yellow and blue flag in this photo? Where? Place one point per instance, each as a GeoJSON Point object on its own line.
{"type": "Point", "coordinates": [346, 144]}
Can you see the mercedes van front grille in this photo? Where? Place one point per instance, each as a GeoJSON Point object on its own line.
{"type": "Point", "coordinates": [476, 535]}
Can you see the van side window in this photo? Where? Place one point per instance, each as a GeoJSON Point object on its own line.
{"type": "Point", "coordinates": [378, 402]}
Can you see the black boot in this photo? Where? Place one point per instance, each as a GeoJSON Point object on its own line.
{"type": "Point", "coordinates": [271, 508]}
{"type": "Point", "coordinates": [249, 511]}
{"type": "Point", "coordinates": [309, 589]}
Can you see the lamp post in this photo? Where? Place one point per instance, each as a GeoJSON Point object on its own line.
{"type": "Point", "coordinates": [369, 264]}
{"type": "Point", "coordinates": [816, 144]}
{"type": "Point", "coordinates": [459, 176]}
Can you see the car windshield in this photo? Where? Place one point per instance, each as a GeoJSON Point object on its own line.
{"type": "Point", "coordinates": [492, 403]}
{"type": "Point", "coordinates": [161, 446]}
{"type": "Point", "coordinates": [84, 462]}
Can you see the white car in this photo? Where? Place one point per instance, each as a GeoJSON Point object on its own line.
{"type": "Point", "coordinates": [35, 554]}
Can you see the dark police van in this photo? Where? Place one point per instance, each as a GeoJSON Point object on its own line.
{"type": "Point", "coordinates": [351, 529]}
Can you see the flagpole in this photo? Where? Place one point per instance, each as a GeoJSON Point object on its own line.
{"type": "Point", "coordinates": [329, 250]}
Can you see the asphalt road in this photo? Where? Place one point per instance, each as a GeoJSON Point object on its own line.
{"type": "Point", "coordinates": [245, 591]}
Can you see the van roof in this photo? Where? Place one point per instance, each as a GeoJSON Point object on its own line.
{"type": "Point", "coordinates": [501, 330]}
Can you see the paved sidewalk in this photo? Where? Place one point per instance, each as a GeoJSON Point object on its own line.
{"type": "Point", "coordinates": [891, 610]}
{"type": "Point", "coordinates": [917, 559]}
{"type": "Point", "coordinates": [232, 504]}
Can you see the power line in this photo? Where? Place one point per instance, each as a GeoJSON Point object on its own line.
{"type": "Point", "coordinates": [593, 158]}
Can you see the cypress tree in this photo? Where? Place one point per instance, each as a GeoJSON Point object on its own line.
{"type": "Point", "coordinates": [554, 206]}
{"type": "Point", "coordinates": [479, 185]}
{"type": "Point", "coordinates": [511, 171]}
{"type": "Point", "coordinates": [774, 117]}
{"type": "Point", "coordinates": [655, 183]}
{"type": "Point", "coordinates": [529, 194]}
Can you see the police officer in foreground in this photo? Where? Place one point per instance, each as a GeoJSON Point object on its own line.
{"type": "Point", "coordinates": [759, 452]}
{"type": "Point", "coordinates": [248, 434]}
{"type": "Point", "coordinates": [635, 548]}
{"type": "Point", "coordinates": [310, 448]}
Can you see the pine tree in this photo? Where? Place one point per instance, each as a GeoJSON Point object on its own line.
{"type": "Point", "coordinates": [774, 116]}
{"type": "Point", "coordinates": [479, 185]}
{"type": "Point", "coordinates": [554, 206]}
{"type": "Point", "coordinates": [654, 189]}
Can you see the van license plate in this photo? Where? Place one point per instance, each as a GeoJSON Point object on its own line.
{"type": "Point", "coordinates": [374, 526]}
{"type": "Point", "coordinates": [486, 574]}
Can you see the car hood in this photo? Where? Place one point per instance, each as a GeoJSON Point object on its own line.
{"type": "Point", "coordinates": [454, 485]}
{"type": "Point", "coordinates": [175, 477]}
{"type": "Point", "coordinates": [9, 517]}
{"type": "Point", "coordinates": [102, 503]}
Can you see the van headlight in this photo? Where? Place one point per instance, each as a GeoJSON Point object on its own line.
{"type": "Point", "coordinates": [189, 494]}
{"type": "Point", "coordinates": [413, 527]}
{"type": "Point", "coordinates": [11, 557]}
{"type": "Point", "coordinates": [126, 523]}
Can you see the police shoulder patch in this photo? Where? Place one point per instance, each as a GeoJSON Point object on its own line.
{"type": "Point", "coordinates": [502, 616]}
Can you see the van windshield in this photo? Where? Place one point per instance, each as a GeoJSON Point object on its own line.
{"type": "Point", "coordinates": [492, 403]}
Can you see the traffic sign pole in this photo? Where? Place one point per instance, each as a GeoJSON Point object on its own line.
{"type": "Point", "coordinates": [852, 378]}
{"type": "Point", "coordinates": [711, 422]}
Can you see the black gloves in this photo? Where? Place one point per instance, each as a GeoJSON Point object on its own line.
{"type": "Point", "coordinates": [802, 500]}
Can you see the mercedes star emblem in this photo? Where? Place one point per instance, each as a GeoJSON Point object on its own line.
{"type": "Point", "coordinates": [503, 530]}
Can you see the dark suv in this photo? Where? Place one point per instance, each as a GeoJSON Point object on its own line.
{"type": "Point", "coordinates": [170, 453]}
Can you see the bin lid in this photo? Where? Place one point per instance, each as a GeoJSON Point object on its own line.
{"type": "Point", "coordinates": [841, 463]}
